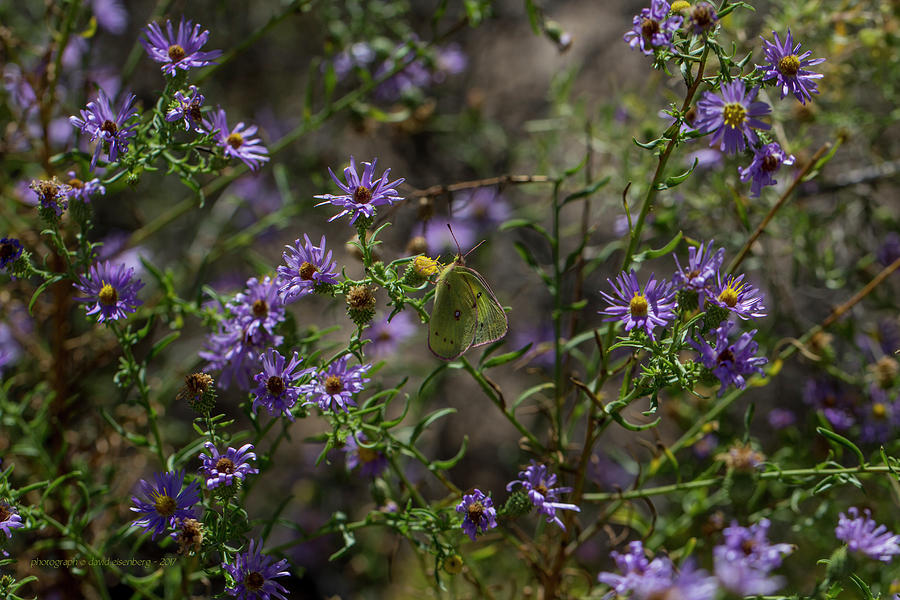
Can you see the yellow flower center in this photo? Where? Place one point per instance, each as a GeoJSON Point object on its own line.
{"type": "Point", "coordinates": [734, 114]}
{"type": "Point", "coordinates": [260, 308]}
{"type": "Point", "coordinates": [789, 65]}
{"type": "Point", "coordinates": [307, 270]}
{"type": "Point", "coordinates": [649, 27]}
{"type": "Point", "coordinates": [680, 5]}
{"type": "Point", "coordinates": [879, 410]}
{"type": "Point", "coordinates": [235, 140]}
{"type": "Point", "coordinates": [475, 510]}
{"type": "Point", "coordinates": [165, 505]}
{"type": "Point", "coordinates": [333, 385]}
{"type": "Point", "coordinates": [76, 183]}
{"type": "Point", "coordinates": [367, 455]}
{"type": "Point", "coordinates": [176, 52]}
{"type": "Point", "coordinates": [638, 306]}
{"type": "Point", "coordinates": [425, 266]}
{"type": "Point", "coordinates": [730, 295]}
{"type": "Point", "coordinates": [108, 295]}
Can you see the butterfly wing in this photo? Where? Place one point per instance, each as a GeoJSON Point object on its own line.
{"type": "Point", "coordinates": [492, 322]}
{"type": "Point", "coordinates": [451, 329]}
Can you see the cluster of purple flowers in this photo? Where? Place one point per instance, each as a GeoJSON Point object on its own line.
{"type": "Point", "coordinates": [539, 485]}
{"type": "Point", "coordinates": [865, 536]}
{"type": "Point", "coordinates": [245, 333]}
{"type": "Point", "coordinates": [742, 566]}
{"type": "Point", "coordinates": [699, 281]}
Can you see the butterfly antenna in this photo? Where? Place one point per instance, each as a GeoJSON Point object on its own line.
{"type": "Point", "coordinates": [474, 248]}
{"type": "Point", "coordinates": [458, 249]}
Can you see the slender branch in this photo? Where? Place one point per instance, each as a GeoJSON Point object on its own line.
{"type": "Point", "coordinates": [781, 202]}
{"type": "Point", "coordinates": [439, 190]}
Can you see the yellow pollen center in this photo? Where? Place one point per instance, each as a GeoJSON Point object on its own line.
{"type": "Point", "coordinates": [235, 140]}
{"type": "Point", "coordinates": [165, 505]}
{"type": "Point", "coordinates": [260, 308]}
{"type": "Point", "coordinates": [76, 183]}
{"type": "Point", "coordinates": [680, 5]}
{"type": "Point", "coordinates": [275, 385]}
{"type": "Point", "coordinates": [425, 266]}
{"type": "Point", "coordinates": [333, 385]}
{"type": "Point", "coordinates": [729, 297]}
{"type": "Point", "coordinates": [307, 270]}
{"type": "Point", "coordinates": [108, 295]}
{"type": "Point", "coordinates": [541, 489]}
{"type": "Point", "coordinates": [734, 114]}
{"type": "Point", "coordinates": [225, 465]}
{"type": "Point", "coordinates": [367, 455]}
{"type": "Point", "coordinates": [789, 65]}
{"type": "Point", "coordinates": [879, 410]}
{"type": "Point", "coordinates": [638, 306]}
{"type": "Point", "coordinates": [176, 52]}
{"type": "Point", "coordinates": [362, 195]}
{"type": "Point", "coordinates": [254, 581]}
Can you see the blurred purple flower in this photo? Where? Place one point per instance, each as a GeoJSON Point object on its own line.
{"type": "Point", "coordinates": [538, 483]}
{"type": "Point", "coordinates": [789, 68]}
{"type": "Point", "coordinates": [449, 60]}
{"type": "Point", "coordinates": [483, 209]}
{"type": "Point", "coordinates": [237, 142]}
{"type": "Point", "coordinates": [731, 116]}
{"type": "Point", "coordinates": [111, 15]}
{"type": "Point", "coordinates": [221, 470]}
{"type": "Point", "coordinates": [9, 518]}
{"type": "Point", "coordinates": [479, 513]}
{"type": "Point", "coordinates": [106, 128]}
{"type": "Point", "coordinates": [10, 251]}
{"type": "Point", "coordinates": [17, 86]}
{"type": "Point", "coordinates": [832, 400]}
{"type": "Point", "coordinates": [361, 194]}
{"type": "Point", "coordinates": [179, 50]}
{"type": "Point", "coordinates": [438, 238]}
{"type": "Point", "coordinates": [880, 417]}
{"type": "Point", "coordinates": [731, 363]}
{"type": "Point", "coordinates": [252, 575]}
{"type": "Point", "coordinates": [863, 535]}
{"type": "Point", "coordinates": [387, 335]}
{"type": "Point", "coordinates": [644, 579]}
{"type": "Point", "coordinates": [708, 159]}
{"type": "Point", "coordinates": [645, 310]}
{"type": "Point", "coordinates": [83, 190]}
{"type": "Point", "coordinates": [51, 194]}
{"type": "Point", "coordinates": [781, 418]}
{"type": "Point", "coordinates": [701, 270]}
{"type": "Point", "coordinates": [889, 251]}
{"type": "Point", "coordinates": [651, 29]}
{"type": "Point", "coordinates": [767, 160]}
{"type": "Point", "coordinates": [165, 501]}
{"type": "Point", "coordinates": [633, 566]}
{"type": "Point", "coordinates": [111, 290]}
{"type": "Point", "coordinates": [371, 462]}
{"type": "Point", "coordinates": [703, 18]}
{"type": "Point", "coordinates": [359, 54]}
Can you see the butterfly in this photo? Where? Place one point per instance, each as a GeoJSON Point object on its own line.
{"type": "Point", "coordinates": [465, 314]}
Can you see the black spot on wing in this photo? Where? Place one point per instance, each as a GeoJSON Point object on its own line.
{"type": "Point", "coordinates": [456, 314]}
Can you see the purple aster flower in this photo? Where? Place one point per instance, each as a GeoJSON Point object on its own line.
{"type": "Point", "coordinates": [277, 387]}
{"type": "Point", "coordinates": [737, 296]}
{"type": "Point", "coordinates": [111, 290]}
{"type": "Point", "coordinates": [731, 116]}
{"type": "Point", "coordinates": [414, 76]}
{"type": "Point", "coordinates": [647, 310]}
{"type": "Point", "coordinates": [539, 484]}
{"type": "Point", "coordinates": [334, 387]}
{"type": "Point", "coordinates": [880, 417]}
{"type": "Point", "coordinates": [179, 50]}
{"type": "Point", "coordinates": [387, 335]}
{"type": "Point", "coordinates": [361, 194]}
{"type": "Point", "coordinates": [253, 575]}
{"type": "Point", "coordinates": [483, 209]}
{"type": "Point", "coordinates": [479, 511]}
{"type": "Point", "coordinates": [243, 336]}
{"type": "Point", "coordinates": [223, 469]}
{"type": "Point", "coordinates": [359, 453]}
{"type": "Point", "coordinates": [10, 251]}
{"type": "Point", "coordinates": [736, 574]}
{"type": "Point", "coordinates": [632, 565]}
{"type": "Point", "coordinates": [752, 545]}
{"type": "Point", "coordinates": [651, 29]}
{"type": "Point", "coordinates": [51, 194]}
{"type": "Point", "coordinates": [703, 265]}
{"type": "Point", "coordinates": [689, 582]}
{"type": "Point", "coordinates": [83, 190]}
{"type": "Point", "coordinates": [731, 363]}
{"type": "Point", "coordinates": [450, 60]}
{"type": "Point", "coordinates": [9, 518]}
{"type": "Point", "coordinates": [438, 238]}
{"type": "Point", "coordinates": [165, 501]}
{"type": "Point", "coordinates": [106, 128]}
{"type": "Point", "coordinates": [111, 15]}
{"type": "Point", "coordinates": [829, 397]}
{"type": "Point", "coordinates": [703, 18]}
{"type": "Point", "coordinates": [306, 266]}
{"type": "Point", "coordinates": [187, 109]}
{"type": "Point", "coordinates": [789, 68]}
{"type": "Point", "coordinates": [359, 54]}
{"type": "Point", "coordinates": [708, 159]}
{"type": "Point", "coordinates": [237, 142]}
{"type": "Point", "coordinates": [766, 161]}
{"type": "Point", "coordinates": [18, 87]}
{"type": "Point", "coordinates": [781, 418]}
{"type": "Point", "coordinates": [862, 534]}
